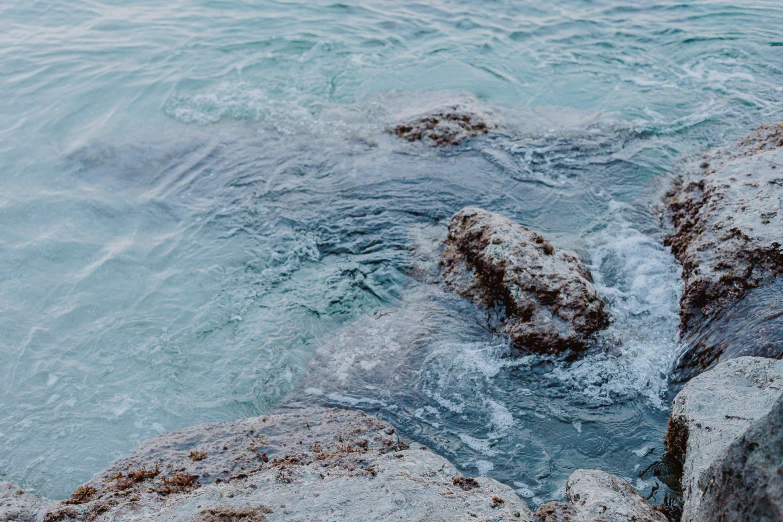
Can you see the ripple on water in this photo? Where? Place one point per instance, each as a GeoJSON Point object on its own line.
{"type": "Point", "coordinates": [200, 194]}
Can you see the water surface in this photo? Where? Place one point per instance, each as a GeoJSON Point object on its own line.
{"type": "Point", "coordinates": [198, 195]}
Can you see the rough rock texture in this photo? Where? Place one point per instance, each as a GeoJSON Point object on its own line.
{"type": "Point", "coordinates": [712, 411]}
{"type": "Point", "coordinates": [18, 505]}
{"type": "Point", "coordinates": [307, 465]}
{"type": "Point", "coordinates": [726, 210]}
{"type": "Point", "coordinates": [445, 125]}
{"type": "Point", "coordinates": [547, 294]}
{"type": "Point", "coordinates": [597, 496]}
{"type": "Point", "coordinates": [746, 483]}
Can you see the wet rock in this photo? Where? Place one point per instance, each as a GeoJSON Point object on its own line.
{"type": "Point", "coordinates": [593, 495]}
{"type": "Point", "coordinates": [746, 483]}
{"type": "Point", "coordinates": [728, 220]}
{"type": "Point", "coordinates": [449, 124]}
{"type": "Point", "coordinates": [18, 505]}
{"type": "Point", "coordinates": [711, 412]}
{"type": "Point", "coordinates": [312, 464]}
{"type": "Point", "coordinates": [547, 295]}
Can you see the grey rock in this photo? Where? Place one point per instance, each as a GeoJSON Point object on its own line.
{"type": "Point", "coordinates": [711, 412]}
{"type": "Point", "coordinates": [312, 464]}
{"type": "Point", "coordinates": [547, 294]}
{"type": "Point", "coordinates": [18, 505]}
{"type": "Point", "coordinates": [728, 220]}
{"type": "Point", "coordinates": [597, 496]}
{"type": "Point", "coordinates": [746, 483]}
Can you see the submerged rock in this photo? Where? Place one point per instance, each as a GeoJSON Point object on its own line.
{"type": "Point", "coordinates": [710, 413]}
{"type": "Point", "coordinates": [593, 495]}
{"type": "Point", "coordinates": [546, 293]}
{"type": "Point", "coordinates": [307, 465]}
{"type": "Point", "coordinates": [449, 124]}
{"type": "Point", "coordinates": [746, 483]}
{"type": "Point", "coordinates": [728, 220]}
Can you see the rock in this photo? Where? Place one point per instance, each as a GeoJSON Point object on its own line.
{"type": "Point", "coordinates": [555, 512]}
{"type": "Point", "coordinates": [746, 483]}
{"type": "Point", "coordinates": [18, 505]}
{"type": "Point", "coordinates": [593, 496]}
{"type": "Point", "coordinates": [711, 412]}
{"type": "Point", "coordinates": [449, 124]}
{"type": "Point", "coordinates": [313, 464]}
{"type": "Point", "coordinates": [546, 293]}
{"type": "Point", "coordinates": [728, 235]}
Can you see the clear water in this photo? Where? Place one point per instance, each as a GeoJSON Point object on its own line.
{"type": "Point", "coordinates": [197, 196]}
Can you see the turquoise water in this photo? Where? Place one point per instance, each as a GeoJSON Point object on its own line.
{"type": "Point", "coordinates": [197, 195]}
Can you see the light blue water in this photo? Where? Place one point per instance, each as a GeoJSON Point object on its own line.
{"type": "Point", "coordinates": [195, 195]}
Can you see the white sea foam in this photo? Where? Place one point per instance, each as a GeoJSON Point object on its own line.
{"type": "Point", "coordinates": [482, 446]}
{"type": "Point", "coordinates": [641, 280]}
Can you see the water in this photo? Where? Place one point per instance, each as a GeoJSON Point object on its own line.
{"type": "Point", "coordinates": [198, 196]}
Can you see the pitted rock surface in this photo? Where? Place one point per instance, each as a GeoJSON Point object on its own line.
{"type": "Point", "coordinates": [597, 496]}
{"type": "Point", "coordinates": [547, 294]}
{"type": "Point", "coordinates": [711, 412]}
{"type": "Point", "coordinates": [728, 220]}
{"type": "Point", "coordinates": [307, 465]}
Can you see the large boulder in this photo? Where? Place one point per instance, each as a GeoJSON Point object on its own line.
{"type": "Point", "coordinates": [307, 465]}
{"type": "Point", "coordinates": [728, 235]}
{"type": "Point", "coordinates": [746, 483]}
{"type": "Point", "coordinates": [597, 496]}
{"type": "Point", "coordinates": [546, 293]}
{"type": "Point", "coordinates": [711, 412]}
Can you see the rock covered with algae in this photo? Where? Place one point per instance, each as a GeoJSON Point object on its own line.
{"type": "Point", "coordinates": [728, 235]}
{"type": "Point", "coordinates": [311, 464]}
{"type": "Point", "coordinates": [545, 292]}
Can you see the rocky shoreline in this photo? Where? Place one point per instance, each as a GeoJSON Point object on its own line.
{"type": "Point", "coordinates": [725, 436]}
{"type": "Point", "coordinates": [312, 464]}
{"type": "Point", "coordinates": [728, 234]}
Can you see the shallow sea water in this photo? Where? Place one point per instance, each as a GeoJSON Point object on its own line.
{"type": "Point", "coordinates": [199, 198]}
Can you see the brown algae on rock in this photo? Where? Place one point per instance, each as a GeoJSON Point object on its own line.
{"type": "Point", "coordinates": [547, 294]}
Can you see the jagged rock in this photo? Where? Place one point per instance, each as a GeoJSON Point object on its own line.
{"type": "Point", "coordinates": [18, 505]}
{"type": "Point", "coordinates": [711, 412]}
{"type": "Point", "coordinates": [547, 294]}
{"type": "Point", "coordinates": [746, 483]}
{"type": "Point", "coordinates": [597, 496]}
{"type": "Point", "coordinates": [449, 124]}
{"type": "Point", "coordinates": [307, 465]}
{"type": "Point", "coordinates": [726, 210]}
